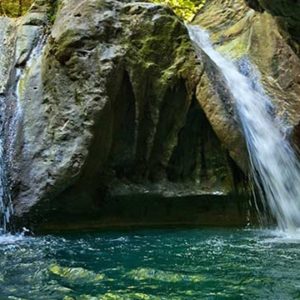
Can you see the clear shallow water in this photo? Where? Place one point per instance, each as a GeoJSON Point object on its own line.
{"type": "Point", "coordinates": [153, 264]}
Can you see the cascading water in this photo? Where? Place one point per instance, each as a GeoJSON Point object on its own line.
{"type": "Point", "coordinates": [275, 167]}
{"type": "Point", "coordinates": [6, 207]}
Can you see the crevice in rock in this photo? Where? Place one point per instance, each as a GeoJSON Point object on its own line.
{"type": "Point", "coordinates": [146, 120]}
{"type": "Point", "coordinates": [124, 128]}
{"type": "Point", "coordinates": [254, 4]}
{"type": "Point", "coordinates": [186, 156]}
{"type": "Point", "coordinates": [199, 156]}
{"type": "Point", "coordinates": [239, 179]}
{"type": "Point", "coordinates": [171, 119]}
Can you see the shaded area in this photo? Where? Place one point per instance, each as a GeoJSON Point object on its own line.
{"type": "Point", "coordinates": [187, 179]}
{"type": "Point", "coordinates": [152, 210]}
{"type": "Point", "coordinates": [199, 156]}
{"type": "Point", "coordinates": [288, 12]}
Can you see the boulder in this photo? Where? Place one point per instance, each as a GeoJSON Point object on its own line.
{"type": "Point", "coordinates": [114, 104]}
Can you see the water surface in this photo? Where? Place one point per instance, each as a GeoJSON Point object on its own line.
{"type": "Point", "coordinates": [152, 264]}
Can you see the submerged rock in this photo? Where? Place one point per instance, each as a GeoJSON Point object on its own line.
{"type": "Point", "coordinates": [75, 274]}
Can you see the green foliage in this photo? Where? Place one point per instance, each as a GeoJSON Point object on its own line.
{"type": "Point", "coordinates": [54, 5]}
{"type": "Point", "coordinates": [14, 8]}
{"type": "Point", "coordinates": [186, 9]}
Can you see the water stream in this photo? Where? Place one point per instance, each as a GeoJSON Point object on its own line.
{"type": "Point", "coordinates": [275, 167]}
{"type": "Point", "coordinates": [10, 133]}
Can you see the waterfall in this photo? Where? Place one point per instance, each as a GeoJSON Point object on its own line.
{"type": "Point", "coordinates": [8, 131]}
{"type": "Point", "coordinates": [275, 167]}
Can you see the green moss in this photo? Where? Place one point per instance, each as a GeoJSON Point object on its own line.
{"type": "Point", "coordinates": [235, 48]}
{"type": "Point", "coordinates": [170, 37]}
{"type": "Point", "coordinates": [54, 7]}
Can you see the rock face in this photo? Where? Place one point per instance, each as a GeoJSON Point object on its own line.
{"type": "Point", "coordinates": [255, 36]}
{"type": "Point", "coordinates": [116, 121]}
{"type": "Point", "coordinates": [287, 18]}
{"type": "Point", "coordinates": [111, 119]}
{"type": "Point", "coordinates": [288, 12]}
{"type": "Point", "coordinates": [7, 40]}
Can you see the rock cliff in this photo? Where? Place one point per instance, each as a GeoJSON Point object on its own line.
{"type": "Point", "coordinates": [112, 119]}
{"type": "Point", "coordinates": [104, 106]}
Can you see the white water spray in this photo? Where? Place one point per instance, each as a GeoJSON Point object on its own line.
{"type": "Point", "coordinates": [275, 167]}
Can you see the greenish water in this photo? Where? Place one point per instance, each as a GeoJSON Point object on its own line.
{"type": "Point", "coordinates": [152, 264]}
